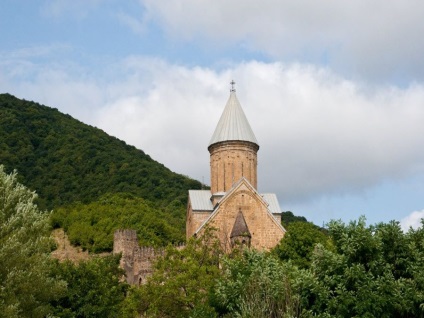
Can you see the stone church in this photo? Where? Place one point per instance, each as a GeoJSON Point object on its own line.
{"type": "Point", "coordinates": [233, 205]}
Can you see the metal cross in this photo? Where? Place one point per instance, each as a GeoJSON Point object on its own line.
{"type": "Point", "coordinates": [232, 86]}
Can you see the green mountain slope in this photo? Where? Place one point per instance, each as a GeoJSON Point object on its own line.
{"type": "Point", "coordinates": [95, 183]}
{"type": "Point", "coordinates": [66, 161]}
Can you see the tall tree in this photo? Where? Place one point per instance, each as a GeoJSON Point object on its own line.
{"type": "Point", "coordinates": [257, 285]}
{"type": "Point", "coordinates": [299, 243]}
{"type": "Point", "coordinates": [94, 288]}
{"type": "Point", "coordinates": [180, 284]}
{"type": "Point", "coordinates": [26, 282]}
{"type": "Point", "coordinates": [373, 271]}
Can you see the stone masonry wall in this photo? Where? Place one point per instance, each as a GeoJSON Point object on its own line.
{"type": "Point", "coordinates": [136, 260]}
{"type": "Point", "coordinates": [230, 161]}
{"type": "Point", "coordinates": [194, 220]}
{"type": "Point", "coordinates": [264, 228]}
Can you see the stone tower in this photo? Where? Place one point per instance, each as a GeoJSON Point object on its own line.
{"type": "Point", "coordinates": [233, 150]}
{"type": "Point", "coordinates": [233, 205]}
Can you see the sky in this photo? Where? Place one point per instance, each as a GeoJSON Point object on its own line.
{"type": "Point", "coordinates": [333, 90]}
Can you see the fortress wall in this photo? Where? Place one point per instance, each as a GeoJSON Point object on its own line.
{"type": "Point", "coordinates": [137, 261]}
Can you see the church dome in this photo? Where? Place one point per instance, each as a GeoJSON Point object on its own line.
{"type": "Point", "coordinates": [233, 124]}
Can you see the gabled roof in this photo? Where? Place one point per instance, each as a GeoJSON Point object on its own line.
{"type": "Point", "coordinates": [233, 124]}
{"type": "Point", "coordinates": [200, 200]}
{"type": "Point", "coordinates": [271, 199]}
{"type": "Point", "coordinates": [229, 193]}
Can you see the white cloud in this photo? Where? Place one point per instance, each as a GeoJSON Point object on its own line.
{"type": "Point", "coordinates": [412, 220]}
{"type": "Point", "coordinates": [319, 133]}
{"type": "Point", "coordinates": [379, 40]}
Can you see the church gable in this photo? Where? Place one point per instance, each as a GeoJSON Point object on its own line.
{"type": "Point", "coordinates": [232, 205]}
{"type": "Point", "coordinates": [264, 229]}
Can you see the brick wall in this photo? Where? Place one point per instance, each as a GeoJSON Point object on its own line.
{"type": "Point", "coordinates": [136, 260]}
{"type": "Point", "coordinates": [230, 161]}
{"type": "Point", "coordinates": [264, 228]}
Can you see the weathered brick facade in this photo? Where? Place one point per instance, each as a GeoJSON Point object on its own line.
{"type": "Point", "coordinates": [136, 260]}
{"type": "Point", "coordinates": [230, 161]}
{"type": "Point", "coordinates": [264, 228]}
{"type": "Point", "coordinates": [195, 220]}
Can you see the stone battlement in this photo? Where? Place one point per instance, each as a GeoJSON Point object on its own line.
{"type": "Point", "coordinates": [136, 260]}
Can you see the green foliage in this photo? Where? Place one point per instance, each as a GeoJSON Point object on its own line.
{"type": "Point", "coordinates": [257, 285]}
{"type": "Point", "coordinates": [92, 225]}
{"type": "Point", "coordinates": [180, 284]}
{"type": "Point", "coordinates": [299, 243]}
{"type": "Point", "coordinates": [131, 306]}
{"type": "Point", "coordinates": [288, 217]}
{"type": "Point", "coordinates": [66, 161]}
{"type": "Point", "coordinates": [26, 282]}
{"type": "Point", "coordinates": [94, 288]}
{"type": "Point", "coordinates": [374, 271]}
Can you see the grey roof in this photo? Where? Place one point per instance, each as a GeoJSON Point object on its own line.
{"type": "Point", "coordinates": [272, 200]}
{"type": "Point", "coordinates": [233, 124]}
{"type": "Point", "coordinates": [200, 200]}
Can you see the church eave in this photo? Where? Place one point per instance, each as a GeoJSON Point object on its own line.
{"type": "Point", "coordinates": [253, 145]}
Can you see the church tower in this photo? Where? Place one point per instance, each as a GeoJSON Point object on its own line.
{"type": "Point", "coordinates": [233, 206]}
{"type": "Point", "coordinates": [233, 149]}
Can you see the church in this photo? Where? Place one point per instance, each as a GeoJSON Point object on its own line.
{"type": "Point", "coordinates": [233, 206]}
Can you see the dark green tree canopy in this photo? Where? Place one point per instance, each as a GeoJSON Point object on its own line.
{"type": "Point", "coordinates": [373, 271]}
{"type": "Point", "coordinates": [66, 161]}
{"type": "Point", "coordinates": [299, 242]}
{"type": "Point", "coordinates": [182, 280]}
{"type": "Point", "coordinates": [289, 217]}
{"type": "Point", "coordinates": [94, 288]}
{"type": "Point", "coordinates": [92, 225]}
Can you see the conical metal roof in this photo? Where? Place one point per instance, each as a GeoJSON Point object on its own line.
{"type": "Point", "coordinates": [233, 124]}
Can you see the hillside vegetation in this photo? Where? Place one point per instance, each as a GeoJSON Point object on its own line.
{"type": "Point", "coordinates": [66, 161]}
{"type": "Point", "coordinates": [71, 165]}
{"type": "Point", "coordinates": [92, 225]}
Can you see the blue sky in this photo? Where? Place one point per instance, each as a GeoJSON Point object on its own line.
{"type": "Point", "coordinates": [334, 90]}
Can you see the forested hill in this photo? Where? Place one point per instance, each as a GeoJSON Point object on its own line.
{"type": "Point", "coordinates": [66, 161]}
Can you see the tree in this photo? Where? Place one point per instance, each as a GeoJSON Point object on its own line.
{"type": "Point", "coordinates": [288, 217]}
{"type": "Point", "coordinates": [92, 225]}
{"type": "Point", "coordinates": [26, 281]}
{"type": "Point", "coordinates": [257, 285]}
{"type": "Point", "coordinates": [373, 271]}
{"type": "Point", "coordinates": [182, 279]}
{"type": "Point", "coordinates": [94, 288]}
{"type": "Point", "coordinates": [299, 242]}
{"type": "Point", "coordinates": [67, 161]}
